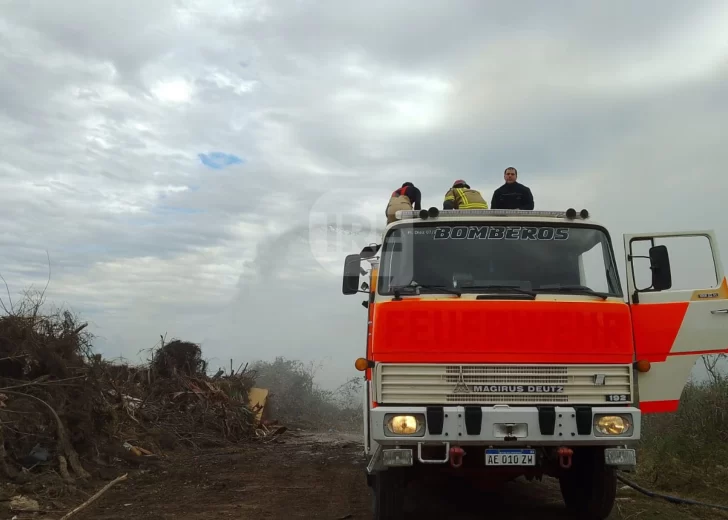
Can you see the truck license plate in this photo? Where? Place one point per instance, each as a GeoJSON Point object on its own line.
{"type": "Point", "coordinates": [511, 457]}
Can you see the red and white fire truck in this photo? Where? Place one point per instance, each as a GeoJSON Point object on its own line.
{"type": "Point", "coordinates": [499, 343]}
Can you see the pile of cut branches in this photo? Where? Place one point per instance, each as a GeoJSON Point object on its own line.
{"type": "Point", "coordinates": [63, 407]}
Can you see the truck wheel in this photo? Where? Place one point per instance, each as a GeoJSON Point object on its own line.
{"type": "Point", "coordinates": [388, 489]}
{"type": "Point", "coordinates": [589, 487]}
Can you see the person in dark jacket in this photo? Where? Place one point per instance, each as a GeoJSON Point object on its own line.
{"type": "Point", "coordinates": [513, 194]}
{"type": "Point", "coordinates": [404, 198]}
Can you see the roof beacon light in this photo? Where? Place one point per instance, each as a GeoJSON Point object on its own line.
{"type": "Point", "coordinates": [584, 214]}
{"type": "Point", "coordinates": [424, 214]}
{"type": "Point", "coordinates": [571, 213]}
{"type": "Point", "coordinates": [433, 212]}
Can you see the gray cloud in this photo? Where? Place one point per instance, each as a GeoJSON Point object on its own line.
{"type": "Point", "coordinates": [618, 107]}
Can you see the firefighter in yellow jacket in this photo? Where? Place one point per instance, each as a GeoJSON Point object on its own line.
{"type": "Point", "coordinates": [403, 199]}
{"type": "Point", "coordinates": [462, 196]}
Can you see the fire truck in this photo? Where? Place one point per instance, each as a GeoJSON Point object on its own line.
{"type": "Point", "coordinates": [500, 343]}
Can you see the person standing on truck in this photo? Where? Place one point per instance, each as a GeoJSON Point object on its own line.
{"type": "Point", "coordinates": [462, 196]}
{"type": "Point", "coordinates": [512, 195]}
{"type": "Point", "coordinates": [403, 198]}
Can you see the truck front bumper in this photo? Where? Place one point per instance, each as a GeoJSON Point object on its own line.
{"type": "Point", "coordinates": [500, 426]}
{"type": "Point", "coordinates": [503, 425]}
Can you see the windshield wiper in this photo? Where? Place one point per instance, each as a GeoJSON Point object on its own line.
{"type": "Point", "coordinates": [573, 289]}
{"type": "Point", "coordinates": [504, 288]}
{"type": "Point", "coordinates": [439, 288]}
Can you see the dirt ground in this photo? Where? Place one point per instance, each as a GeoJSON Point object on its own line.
{"type": "Point", "coordinates": [320, 476]}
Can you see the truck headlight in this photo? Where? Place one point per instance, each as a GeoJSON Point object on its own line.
{"type": "Point", "coordinates": [613, 424]}
{"type": "Point", "coordinates": [405, 424]}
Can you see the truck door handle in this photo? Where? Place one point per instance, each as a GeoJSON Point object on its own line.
{"type": "Point", "coordinates": [719, 311]}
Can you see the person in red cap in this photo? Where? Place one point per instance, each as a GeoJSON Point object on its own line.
{"type": "Point", "coordinates": [403, 199]}
{"type": "Point", "coordinates": [462, 196]}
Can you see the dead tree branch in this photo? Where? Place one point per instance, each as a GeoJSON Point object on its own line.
{"type": "Point", "coordinates": [95, 497]}
{"type": "Point", "coordinates": [10, 298]}
{"type": "Point", "coordinates": [63, 441]}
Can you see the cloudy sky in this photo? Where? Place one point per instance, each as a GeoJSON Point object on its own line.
{"type": "Point", "coordinates": [178, 160]}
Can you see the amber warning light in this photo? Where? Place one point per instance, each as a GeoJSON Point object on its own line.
{"type": "Point", "coordinates": [643, 365]}
{"type": "Point", "coordinates": [362, 364]}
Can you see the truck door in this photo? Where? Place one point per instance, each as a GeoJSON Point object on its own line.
{"type": "Point", "coordinates": [678, 297]}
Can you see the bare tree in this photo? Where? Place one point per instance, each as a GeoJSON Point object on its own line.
{"type": "Point", "coordinates": [712, 366]}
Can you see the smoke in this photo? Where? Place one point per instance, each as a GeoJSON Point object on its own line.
{"type": "Point", "coordinates": [289, 301]}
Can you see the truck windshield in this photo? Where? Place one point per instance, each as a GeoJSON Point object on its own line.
{"type": "Point", "coordinates": [538, 258]}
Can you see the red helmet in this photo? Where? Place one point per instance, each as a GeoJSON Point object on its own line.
{"type": "Point", "coordinates": [459, 181]}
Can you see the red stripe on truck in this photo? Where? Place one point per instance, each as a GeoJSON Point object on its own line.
{"type": "Point", "coordinates": [659, 406]}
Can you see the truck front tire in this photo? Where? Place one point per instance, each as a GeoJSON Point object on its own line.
{"type": "Point", "coordinates": [388, 491]}
{"type": "Point", "coordinates": [589, 487]}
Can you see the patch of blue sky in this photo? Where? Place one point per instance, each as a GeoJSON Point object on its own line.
{"type": "Point", "coordinates": [219, 160]}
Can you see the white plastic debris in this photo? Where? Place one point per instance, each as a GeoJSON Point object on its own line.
{"type": "Point", "coordinates": [23, 504]}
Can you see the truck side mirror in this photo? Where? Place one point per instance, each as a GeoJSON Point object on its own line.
{"type": "Point", "coordinates": [352, 271]}
{"type": "Point", "coordinates": [370, 251]}
{"type": "Point", "coordinates": [660, 266]}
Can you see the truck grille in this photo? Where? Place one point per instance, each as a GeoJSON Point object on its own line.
{"type": "Point", "coordinates": [504, 384]}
